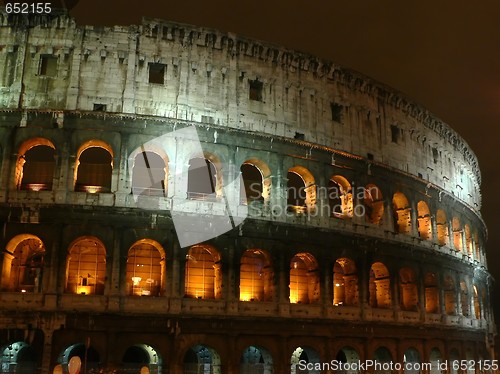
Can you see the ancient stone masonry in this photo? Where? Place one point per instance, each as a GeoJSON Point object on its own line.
{"type": "Point", "coordinates": [348, 217]}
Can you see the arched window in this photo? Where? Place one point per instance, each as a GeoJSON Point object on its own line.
{"type": "Point", "coordinates": [464, 299]}
{"type": "Point", "coordinates": [139, 356]}
{"type": "Point", "coordinates": [435, 359]}
{"type": "Point", "coordinates": [301, 190]}
{"type": "Point", "coordinates": [457, 234]}
{"type": "Point", "coordinates": [442, 227]}
{"type": "Point", "coordinates": [256, 276]}
{"type": "Point", "coordinates": [94, 168]}
{"type": "Point", "coordinates": [380, 286]}
{"type": "Point", "coordinates": [145, 268]}
{"type": "Point", "coordinates": [468, 240]}
{"type": "Point", "coordinates": [304, 279]}
{"type": "Point", "coordinates": [402, 213]}
{"type": "Point", "coordinates": [408, 289]}
{"type": "Point", "coordinates": [382, 356]}
{"type": "Point", "coordinates": [23, 264]}
{"type": "Point", "coordinates": [203, 273]}
{"type": "Point", "coordinates": [149, 174]}
{"type": "Point", "coordinates": [478, 247]}
{"type": "Point", "coordinates": [35, 165]}
{"type": "Point", "coordinates": [412, 358]}
{"type": "Point", "coordinates": [431, 293]}
{"type": "Point", "coordinates": [202, 179]}
{"type": "Point", "coordinates": [348, 355]}
{"type": "Point", "coordinates": [202, 359]}
{"type": "Point", "coordinates": [252, 187]}
{"type": "Point", "coordinates": [86, 267]}
{"type": "Point", "coordinates": [450, 303]}
{"type": "Point", "coordinates": [305, 355]}
{"type": "Point", "coordinates": [424, 221]}
{"type": "Point", "coordinates": [340, 197]}
{"type": "Point", "coordinates": [345, 283]}
{"type": "Point", "coordinates": [256, 360]}
{"type": "Point", "coordinates": [477, 303]}
{"type": "Point", "coordinates": [18, 357]}
{"type": "Point", "coordinates": [373, 203]}
{"type": "Point", "coordinates": [85, 355]}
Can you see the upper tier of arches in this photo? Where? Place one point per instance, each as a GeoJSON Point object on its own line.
{"type": "Point", "coordinates": [184, 72]}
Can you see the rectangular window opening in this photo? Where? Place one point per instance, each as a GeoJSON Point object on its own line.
{"type": "Point", "coordinates": [394, 134]}
{"type": "Point", "coordinates": [336, 112]}
{"type": "Point", "coordinates": [99, 107]}
{"type": "Point", "coordinates": [48, 65]}
{"type": "Point", "coordinates": [255, 92]}
{"type": "Point", "coordinates": [157, 73]}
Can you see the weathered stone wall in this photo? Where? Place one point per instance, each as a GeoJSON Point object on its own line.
{"type": "Point", "coordinates": [207, 79]}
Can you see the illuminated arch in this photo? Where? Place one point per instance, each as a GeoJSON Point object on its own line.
{"type": "Point", "coordinates": [402, 213]}
{"type": "Point", "coordinates": [145, 268]}
{"type": "Point", "coordinates": [424, 221]}
{"type": "Point", "coordinates": [373, 203]}
{"type": "Point", "coordinates": [304, 279]}
{"type": "Point", "coordinates": [408, 289]}
{"type": "Point", "coordinates": [306, 355]}
{"type": "Point", "coordinates": [380, 286]}
{"type": "Point", "coordinates": [23, 264]}
{"type": "Point", "coordinates": [256, 276]}
{"type": "Point", "coordinates": [468, 240]}
{"type": "Point", "coordinates": [203, 273]}
{"type": "Point", "coordinates": [431, 293]}
{"type": "Point", "coordinates": [457, 234]}
{"type": "Point", "coordinates": [35, 165]}
{"type": "Point", "coordinates": [442, 227]}
{"type": "Point", "coordinates": [345, 283]}
{"type": "Point", "coordinates": [94, 166]}
{"type": "Point", "coordinates": [464, 299]}
{"type": "Point", "coordinates": [340, 197]}
{"type": "Point", "coordinates": [86, 266]}
{"type": "Point", "coordinates": [256, 359]}
{"type": "Point", "coordinates": [149, 173]}
{"type": "Point", "coordinates": [202, 359]}
{"type": "Point", "coordinates": [256, 177]}
{"type": "Point", "coordinates": [301, 190]}
{"type": "Point", "coordinates": [141, 355]}
{"type": "Point", "coordinates": [450, 299]}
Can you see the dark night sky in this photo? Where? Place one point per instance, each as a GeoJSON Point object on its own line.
{"type": "Point", "coordinates": [443, 54]}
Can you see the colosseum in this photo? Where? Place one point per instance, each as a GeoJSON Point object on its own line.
{"type": "Point", "coordinates": [177, 199]}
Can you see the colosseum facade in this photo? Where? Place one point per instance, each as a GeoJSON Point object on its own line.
{"type": "Point", "coordinates": [354, 233]}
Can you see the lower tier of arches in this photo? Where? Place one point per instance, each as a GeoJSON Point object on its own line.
{"type": "Point", "coordinates": [58, 343]}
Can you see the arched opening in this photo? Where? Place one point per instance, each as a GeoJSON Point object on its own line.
{"type": "Point", "coordinates": [340, 197]}
{"type": "Point", "coordinates": [464, 299]}
{"type": "Point", "coordinates": [86, 267]}
{"type": "Point", "coordinates": [442, 227]}
{"type": "Point", "coordinates": [202, 359]}
{"type": "Point", "coordinates": [38, 168]}
{"type": "Point", "coordinates": [436, 359]}
{"type": "Point", "coordinates": [256, 276]}
{"type": "Point", "coordinates": [380, 286]}
{"type": "Point", "coordinates": [383, 359]}
{"type": "Point", "coordinates": [457, 234]}
{"type": "Point", "coordinates": [304, 355]}
{"type": "Point", "coordinates": [478, 247]}
{"type": "Point", "coordinates": [94, 167]}
{"type": "Point", "coordinates": [454, 362]}
{"type": "Point", "coordinates": [402, 213]}
{"type": "Point", "coordinates": [145, 268]}
{"type": "Point", "coordinates": [23, 262]}
{"type": "Point", "coordinates": [350, 357]}
{"type": "Point", "coordinates": [477, 303]}
{"type": "Point", "coordinates": [450, 303]}
{"type": "Point", "coordinates": [301, 190]}
{"type": "Point", "coordinates": [18, 357]}
{"type": "Point", "coordinates": [468, 240]}
{"type": "Point", "coordinates": [256, 360]}
{"type": "Point", "coordinates": [345, 283]}
{"type": "Point", "coordinates": [35, 165]}
{"type": "Point", "coordinates": [412, 361]}
{"type": "Point", "coordinates": [256, 182]}
{"type": "Point", "coordinates": [424, 221]}
{"type": "Point", "coordinates": [149, 174]}
{"type": "Point", "coordinates": [304, 279]}
{"type": "Point", "coordinates": [139, 356]}
{"type": "Point", "coordinates": [202, 179]}
{"type": "Point", "coordinates": [373, 203]}
{"type": "Point", "coordinates": [408, 289]}
{"type": "Point", "coordinates": [203, 273]}
{"type": "Point", "coordinates": [87, 355]}
{"type": "Point", "coordinates": [431, 293]}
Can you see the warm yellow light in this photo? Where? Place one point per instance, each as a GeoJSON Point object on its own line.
{"type": "Point", "coordinates": [136, 280]}
{"type": "Point", "coordinates": [23, 291]}
{"type": "Point", "coordinates": [84, 290]}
